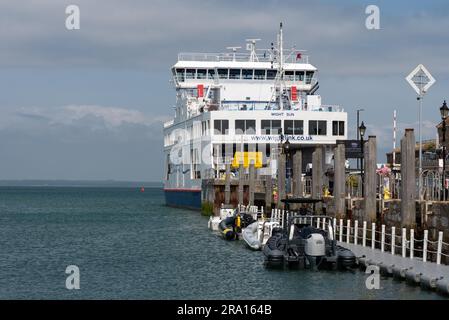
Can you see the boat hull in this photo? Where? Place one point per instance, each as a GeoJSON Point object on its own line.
{"type": "Point", "coordinates": [183, 198]}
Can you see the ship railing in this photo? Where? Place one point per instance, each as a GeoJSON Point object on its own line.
{"type": "Point", "coordinates": [289, 57]}
{"type": "Point", "coordinates": [169, 123]}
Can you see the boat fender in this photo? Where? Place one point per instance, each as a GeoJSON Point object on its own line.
{"type": "Point", "coordinates": [413, 277]}
{"type": "Point", "coordinates": [399, 273]}
{"type": "Point", "coordinates": [443, 286]}
{"type": "Point", "coordinates": [386, 269]}
{"type": "Point", "coordinates": [229, 234]}
{"type": "Point", "coordinates": [429, 282]}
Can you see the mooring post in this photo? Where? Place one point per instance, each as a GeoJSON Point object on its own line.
{"type": "Point", "coordinates": [268, 192]}
{"type": "Point", "coordinates": [356, 231]}
{"type": "Point", "coordinates": [408, 179]}
{"type": "Point", "coordinates": [339, 180]}
{"type": "Point", "coordinates": [241, 181]}
{"type": "Point", "coordinates": [370, 178]}
{"type": "Point", "coordinates": [382, 239]}
{"type": "Point", "coordinates": [297, 174]}
{"type": "Point", "coordinates": [252, 181]}
{"type": "Point", "coordinates": [317, 174]}
{"type": "Point", "coordinates": [412, 243]}
{"type": "Point", "coordinates": [281, 179]}
{"type": "Point", "coordinates": [228, 184]}
{"type": "Point", "coordinates": [424, 249]}
{"type": "Point", "coordinates": [373, 235]}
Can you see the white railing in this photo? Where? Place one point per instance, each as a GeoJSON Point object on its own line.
{"type": "Point", "coordinates": [407, 243]}
{"type": "Point", "coordinates": [169, 123]}
{"type": "Point", "coordinates": [404, 243]}
{"type": "Point", "coordinates": [289, 57]}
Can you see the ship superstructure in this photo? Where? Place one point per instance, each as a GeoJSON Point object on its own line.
{"type": "Point", "coordinates": [236, 103]}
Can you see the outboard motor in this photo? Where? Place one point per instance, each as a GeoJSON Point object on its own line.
{"type": "Point", "coordinates": [315, 249]}
{"type": "Point", "coordinates": [315, 245]}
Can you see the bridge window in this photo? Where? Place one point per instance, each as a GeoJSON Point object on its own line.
{"type": "Point", "coordinates": [234, 73]}
{"type": "Point", "coordinates": [259, 74]}
{"type": "Point", "coordinates": [245, 126]}
{"type": "Point", "coordinates": [289, 75]}
{"type": "Point", "coordinates": [338, 128]}
{"type": "Point", "coordinates": [221, 126]}
{"type": "Point", "coordinates": [201, 74]}
{"type": "Point", "coordinates": [318, 127]}
{"type": "Point", "coordinates": [271, 74]}
{"type": "Point", "coordinates": [190, 73]}
{"type": "Point", "coordinates": [294, 127]}
{"type": "Point", "coordinates": [309, 76]}
{"type": "Point", "coordinates": [180, 75]}
{"type": "Point", "coordinates": [247, 74]}
{"type": "Point", "coordinates": [210, 73]}
{"type": "Point", "coordinates": [271, 126]}
{"type": "Point", "coordinates": [223, 73]}
{"type": "Point", "coordinates": [299, 76]}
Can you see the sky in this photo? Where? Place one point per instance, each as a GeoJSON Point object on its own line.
{"type": "Point", "coordinates": [89, 104]}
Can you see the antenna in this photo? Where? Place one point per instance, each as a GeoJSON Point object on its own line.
{"type": "Point", "coordinates": [234, 49]}
{"type": "Point", "coordinates": [251, 46]}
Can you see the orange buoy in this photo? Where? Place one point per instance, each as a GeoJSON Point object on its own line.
{"type": "Point", "coordinates": [142, 189]}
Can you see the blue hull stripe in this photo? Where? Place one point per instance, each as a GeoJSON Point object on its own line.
{"type": "Point", "coordinates": [183, 198]}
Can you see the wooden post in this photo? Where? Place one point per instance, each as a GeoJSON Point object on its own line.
{"type": "Point", "coordinates": [408, 179]}
{"type": "Point", "coordinates": [297, 174]}
{"type": "Point", "coordinates": [228, 184]}
{"type": "Point", "coordinates": [339, 180]}
{"type": "Point", "coordinates": [252, 182]}
{"type": "Point", "coordinates": [370, 178]}
{"type": "Point", "coordinates": [317, 175]}
{"type": "Point", "coordinates": [268, 192]}
{"type": "Point", "coordinates": [281, 179]}
{"type": "Point", "coordinates": [241, 180]}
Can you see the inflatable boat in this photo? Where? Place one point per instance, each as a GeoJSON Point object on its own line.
{"type": "Point", "coordinates": [301, 245]}
{"type": "Point", "coordinates": [258, 233]}
{"type": "Point", "coordinates": [231, 227]}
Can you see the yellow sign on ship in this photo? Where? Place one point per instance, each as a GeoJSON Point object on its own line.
{"type": "Point", "coordinates": [246, 157]}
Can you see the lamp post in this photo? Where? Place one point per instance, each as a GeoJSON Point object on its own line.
{"type": "Point", "coordinates": [444, 110]}
{"type": "Point", "coordinates": [362, 130]}
{"type": "Point", "coordinates": [358, 132]}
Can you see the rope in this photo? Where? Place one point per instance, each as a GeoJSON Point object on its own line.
{"type": "Point", "coordinates": [418, 250]}
{"type": "Point", "coordinates": [431, 251]}
{"type": "Point", "coordinates": [443, 254]}
{"type": "Point", "coordinates": [432, 242]}
{"type": "Point", "coordinates": [416, 240]}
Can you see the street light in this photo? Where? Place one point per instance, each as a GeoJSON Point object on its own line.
{"type": "Point", "coordinates": [444, 111]}
{"type": "Point", "coordinates": [362, 130]}
{"type": "Point", "coordinates": [358, 133]}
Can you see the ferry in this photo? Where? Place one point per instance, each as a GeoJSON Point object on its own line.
{"type": "Point", "coordinates": [238, 104]}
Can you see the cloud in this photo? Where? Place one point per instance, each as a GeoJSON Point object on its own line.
{"type": "Point", "coordinates": [111, 117]}
{"type": "Point", "coordinates": [151, 33]}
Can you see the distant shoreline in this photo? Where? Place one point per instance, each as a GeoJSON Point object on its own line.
{"type": "Point", "coordinates": [80, 183]}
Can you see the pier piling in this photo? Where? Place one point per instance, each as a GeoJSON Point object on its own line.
{"type": "Point", "coordinates": [408, 179]}
{"type": "Point", "coordinates": [370, 179]}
